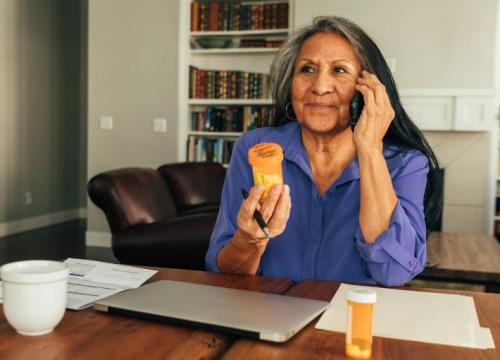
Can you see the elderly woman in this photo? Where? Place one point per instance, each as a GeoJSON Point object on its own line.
{"type": "Point", "coordinates": [353, 205]}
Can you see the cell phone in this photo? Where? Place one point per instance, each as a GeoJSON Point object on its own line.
{"type": "Point", "coordinates": [355, 109]}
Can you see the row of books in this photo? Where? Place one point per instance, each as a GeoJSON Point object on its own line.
{"type": "Point", "coordinates": [231, 119]}
{"type": "Point", "coordinates": [260, 43]}
{"type": "Point", "coordinates": [225, 84]}
{"type": "Point", "coordinates": [232, 15]}
{"type": "Point", "coordinates": [211, 150]}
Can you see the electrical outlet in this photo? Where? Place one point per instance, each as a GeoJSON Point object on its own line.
{"type": "Point", "coordinates": [106, 123]}
{"type": "Point", "coordinates": [28, 199]}
{"type": "Point", "coordinates": [160, 125]}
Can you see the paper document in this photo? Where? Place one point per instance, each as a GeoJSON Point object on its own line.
{"type": "Point", "coordinates": [90, 281]}
{"type": "Point", "coordinates": [414, 315]}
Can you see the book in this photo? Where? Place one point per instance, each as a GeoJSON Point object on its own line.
{"type": "Point", "coordinates": [223, 16]}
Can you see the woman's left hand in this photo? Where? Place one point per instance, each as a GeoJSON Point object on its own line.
{"type": "Point", "coordinates": [376, 116]}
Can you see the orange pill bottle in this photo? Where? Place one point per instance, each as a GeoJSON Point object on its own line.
{"type": "Point", "coordinates": [266, 159]}
{"type": "Point", "coordinates": [358, 339]}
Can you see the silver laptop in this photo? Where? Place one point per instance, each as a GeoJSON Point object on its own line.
{"type": "Point", "coordinates": [242, 312]}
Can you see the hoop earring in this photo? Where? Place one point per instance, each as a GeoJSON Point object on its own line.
{"type": "Point", "coordinates": [286, 113]}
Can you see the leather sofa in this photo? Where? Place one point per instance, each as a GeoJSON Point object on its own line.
{"type": "Point", "coordinates": [160, 217]}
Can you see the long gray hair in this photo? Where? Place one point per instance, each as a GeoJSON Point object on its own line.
{"type": "Point", "coordinates": [282, 67]}
{"type": "Point", "coordinates": [402, 131]}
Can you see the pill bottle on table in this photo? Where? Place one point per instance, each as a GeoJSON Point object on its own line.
{"type": "Point", "coordinates": [358, 340]}
{"type": "Point", "coordinates": [266, 159]}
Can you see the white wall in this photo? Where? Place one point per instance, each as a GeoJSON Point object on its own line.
{"type": "Point", "coordinates": [132, 73]}
{"type": "Point", "coordinates": [465, 157]}
{"type": "Point", "coordinates": [437, 44]}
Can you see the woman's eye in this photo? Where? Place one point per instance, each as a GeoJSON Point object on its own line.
{"type": "Point", "coordinates": [306, 69]}
{"type": "Point", "coordinates": [339, 69]}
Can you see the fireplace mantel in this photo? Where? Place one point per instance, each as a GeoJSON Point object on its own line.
{"type": "Point", "coordinates": [451, 109]}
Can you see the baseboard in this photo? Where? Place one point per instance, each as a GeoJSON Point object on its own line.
{"type": "Point", "coordinates": [98, 238]}
{"type": "Point", "coordinates": [35, 222]}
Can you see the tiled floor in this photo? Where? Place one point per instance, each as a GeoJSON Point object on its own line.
{"type": "Point", "coordinates": [56, 242]}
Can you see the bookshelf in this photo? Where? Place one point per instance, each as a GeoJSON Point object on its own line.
{"type": "Point", "coordinates": [229, 102]}
{"type": "Point", "coordinates": [224, 65]}
{"type": "Point", "coordinates": [240, 32]}
{"type": "Point", "coordinates": [233, 51]}
{"type": "Point", "coordinates": [496, 216]}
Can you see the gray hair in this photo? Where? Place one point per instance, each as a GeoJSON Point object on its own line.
{"type": "Point", "coordinates": [282, 68]}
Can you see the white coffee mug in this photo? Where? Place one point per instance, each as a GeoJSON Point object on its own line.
{"type": "Point", "coordinates": [34, 295]}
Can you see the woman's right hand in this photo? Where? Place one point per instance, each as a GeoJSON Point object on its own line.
{"type": "Point", "coordinates": [242, 254]}
{"type": "Point", "coordinates": [275, 211]}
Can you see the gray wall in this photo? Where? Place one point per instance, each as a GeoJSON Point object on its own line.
{"type": "Point", "coordinates": [437, 44]}
{"type": "Point", "coordinates": [83, 110]}
{"type": "Point", "coordinates": [39, 107]}
{"type": "Point", "coordinates": [132, 72]}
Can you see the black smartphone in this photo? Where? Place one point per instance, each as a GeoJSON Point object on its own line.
{"type": "Point", "coordinates": [355, 108]}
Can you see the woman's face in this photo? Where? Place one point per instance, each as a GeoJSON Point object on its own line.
{"type": "Point", "coordinates": [324, 81]}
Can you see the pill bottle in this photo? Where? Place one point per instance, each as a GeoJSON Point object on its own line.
{"type": "Point", "coordinates": [266, 159]}
{"type": "Point", "coordinates": [358, 339]}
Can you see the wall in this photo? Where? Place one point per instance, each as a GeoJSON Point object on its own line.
{"type": "Point", "coordinates": [39, 110]}
{"type": "Point", "coordinates": [436, 44]}
{"type": "Point", "coordinates": [465, 158]}
{"type": "Point", "coordinates": [83, 104]}
{"type": "Point", "coordinates": [132, 74]}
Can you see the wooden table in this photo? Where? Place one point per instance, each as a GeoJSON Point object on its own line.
{"type": "Point", "coordinates": [464, 258]}
{"type": "Point", "coordinates": [88, 334]}
{"type": "Point", "coordinates": [312, 343]}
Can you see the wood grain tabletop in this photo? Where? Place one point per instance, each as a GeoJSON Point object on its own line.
{"type": "Point", "coordinates": [88, 334]}
{"type": "Point", "coordinates": [312, 343]}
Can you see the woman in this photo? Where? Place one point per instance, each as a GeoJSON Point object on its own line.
{"type": "Point", "coordinates": [352, 208]}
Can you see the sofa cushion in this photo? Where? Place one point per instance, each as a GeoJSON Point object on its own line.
{"type": "Point", "coordinates": [181, 242]}
{"type": "Point", "coordinates": [194, 184]}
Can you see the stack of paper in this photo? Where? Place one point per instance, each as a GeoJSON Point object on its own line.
{"type": "Point", "coordinates": [90, 281]}
{"type": "Point", "coordinates": [414, 315]}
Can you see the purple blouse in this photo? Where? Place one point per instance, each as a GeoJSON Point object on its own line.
{"type": "Point", "coordinates": [322, 239]}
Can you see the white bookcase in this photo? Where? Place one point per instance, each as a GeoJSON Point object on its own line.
{"type": "Point", "coordinates": [232, 58]}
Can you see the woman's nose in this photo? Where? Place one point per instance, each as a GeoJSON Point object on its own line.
{"type": "Point", "coordinates": [323, 83]}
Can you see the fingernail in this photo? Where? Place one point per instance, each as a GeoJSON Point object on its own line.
{"type": "Point", "coordinates": [287, 189]}
{"type": "Point", "coordinates": [259, 188]}
{"type": "Point", "coordinates": [277, 189]}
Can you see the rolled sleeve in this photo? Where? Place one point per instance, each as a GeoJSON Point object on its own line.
{"type": "Point", "coordinates": [399, 253]}
{"type": "Point", "coordinates": [217, 242]}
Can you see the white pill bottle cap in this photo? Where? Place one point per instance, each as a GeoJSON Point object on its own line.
{"type": "Point", "coordinates": [364, 296]}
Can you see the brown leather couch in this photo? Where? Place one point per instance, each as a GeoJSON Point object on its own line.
{"type": "Point", "coordinates": [160, 217]}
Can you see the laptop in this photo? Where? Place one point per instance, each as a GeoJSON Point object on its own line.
{"type": "Point", "coordinates": [246, 313]}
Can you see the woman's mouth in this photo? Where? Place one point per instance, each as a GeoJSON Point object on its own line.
{"type": "Point", "coordinates": [318, 105]}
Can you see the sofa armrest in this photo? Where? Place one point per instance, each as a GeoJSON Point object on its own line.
{"type": "Point", "coordinates": [180, 242]}
{"type": "Point", "coordinates": [131, 196]}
